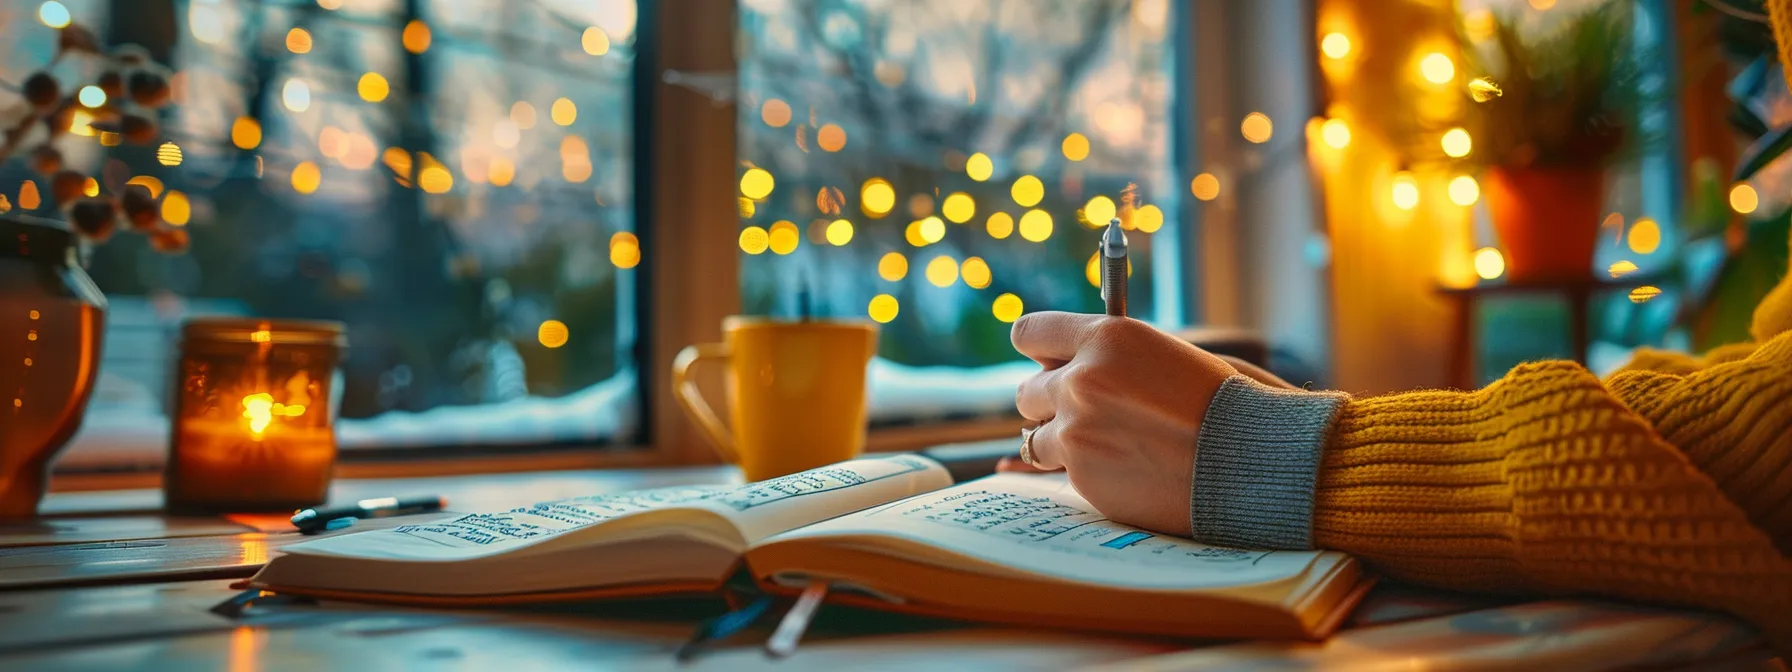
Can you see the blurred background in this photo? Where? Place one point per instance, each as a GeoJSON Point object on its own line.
{"type": "Point", "coordinates": [496, 195]}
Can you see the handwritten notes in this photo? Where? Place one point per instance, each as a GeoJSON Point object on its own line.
{"type": "Point", "coordinates": [824, 479]}
{"type": "Point", "coordinates": [550, 518]}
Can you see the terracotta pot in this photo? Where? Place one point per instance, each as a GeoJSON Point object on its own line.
{"type": "Point", "coordinates": [51, 320]}
{"type": "Point", "coordinates": [1547, 220]}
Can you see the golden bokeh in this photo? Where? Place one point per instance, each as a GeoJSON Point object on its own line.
{"type": "Point", "coordinates": [1027, 191]}
{"type": "Point", "coordinates": [933, 229]}
{"type": "Point", "coordinates": [754, 240]}
{"type": "Point", "coordinates": [1621, 268]}
{"type": "Point", "coordinates": [373, 87]}
{"type": "Point", "coordinates": [784, 237]}
{"type": "Point", "coordinates": [625, 249]}
{"type": "Point", "coordinates": [831, 137]}
{"type": "Point", "coordinates": [1075, 147]}
{"type": "Point", "coordinates": [1464, 190]}
{"type": "Point", "coordinates": [1645, 236]}
{"type": "Point", "coordinates": [975, 272]}
{"type": "Point", "coordinates": [1437, 68]}
{"type": "Point", "coordinates": [1148, 218]}
{"type": "Point", "coordinates": [958, 207]}
{"type": "Point", "coordinates": [168, 154]}
{"type": "Point", "coordinates": [892, 267]}
{"type": "Point", "coordinates": [245, 133]}
{"type": "Point", "coordinates": [1036, 225]}
{"type": "Point", "coordinates": [1405, 191]}
{"type": "Point", "coordinates": [298, 41]}
{"type": "Point", "coordinates": [563, 111]}
{"type": "Point", "coordinates": [913, 234]}
{"type": "Point", "coordinates": [1000, 225]}
{"type": "Point", "coordinates": [149, 182]}
{"type": "Point", "coordinates": [1335, 45]}
{"type": "Point", "coordinates": [433, 177]}
{"type": "Point", "coordinates": [1456, 143]}
{"type": "Point", "coordinates": [398, 160]}
{"type": "Point", "coordinates": [500, 172]}
{"type": "Point", "coordinates": [416, 36]}
{"type": "Point", "coordinates": [1205, 187]}
{"type": "Point", "coordinates": [90, 187]}
{"type": "Point", "coordinates": [1644, 293]}
{"type": "Point", "coordinates": [1542, 5]}
{"type": "Point", "coordinates": [978, 167]}
{"type": "Point", "coordinates": [942, 271]}
{"type": "Point", "coordinates": [775, 113]}
{"type": "Point", "coordinates": [1489, 263]}
{"type": "Point", "coordinates": [29, 198]}
{"type": "Point", "coordinates": [1743, 199]}
{"type": "Point", "coordinates": [883, 308]}
{"type": "Point", "coordinates": [1007, 308]}
{"type": "Point", "coordinates": [175, 208]}
{"type": "Point", "coordinates": [1256, 127]}
{"type": "Point", "coordinates": [1335, 132]}
{"type": "Point", "coordinates": [522, 114]}
{"type": "Point", "coordinates": [595, 41]}
{"type": "Point", "coordinates": [5, 205]}
{"type": "Point", "coordinates": [876, 197]}
{"type": "Point", "coordinates": [756, 183]}
{"type": "Point", "coordinates": [839, 232]}
{"type": "Point", "coordinates": [1098, 211]}
{"type": "Point", "coordinates": [552, 333]}
{"type": "Point", "coordinates": [306, 177]}
{"type": "Point", "coordinates": [747, 207]}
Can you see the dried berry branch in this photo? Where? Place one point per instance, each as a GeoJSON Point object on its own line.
{"type": "Point", "coordinates": [134, 86]}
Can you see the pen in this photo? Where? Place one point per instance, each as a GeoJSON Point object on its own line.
{"type": "Point", "coordinates": [320, 519]}
{"type": "Point", "coordinates": [1113, 268]}
{"type": "Point", "coordinates": [796, 621]}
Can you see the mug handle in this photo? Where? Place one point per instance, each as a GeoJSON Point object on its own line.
{"type": "Point", "coordinates": [691, 398]}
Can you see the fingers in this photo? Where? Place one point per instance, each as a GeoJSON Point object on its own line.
{"type": "Point", "coordinates": [1036, 397]}
{"type": "Point", "coordinates": [1048, 447]}
{"type": "Point", "coordinates": [1013, 465]}
{"type": "Point", "coordinates": [1051, 337]}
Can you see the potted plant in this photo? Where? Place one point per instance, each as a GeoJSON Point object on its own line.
{"type": "Point", "coordinates": [52, 316]}
{"type": "Point", "coordinates": [1553, 109]}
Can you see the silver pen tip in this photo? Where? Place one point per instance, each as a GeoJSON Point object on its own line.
{"type": "Point", "coordinates": [1113, 241]}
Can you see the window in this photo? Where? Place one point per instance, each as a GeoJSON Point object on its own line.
{"type": "Point", "coordinates": [453, 179]}
{"type": "Point", "coordinates": [941, 166]}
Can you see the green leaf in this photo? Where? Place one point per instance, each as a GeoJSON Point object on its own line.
{"type": "Point", "coordinates": [1763, 152]}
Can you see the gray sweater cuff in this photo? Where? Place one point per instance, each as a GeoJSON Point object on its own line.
{"type": "Point", "coordinates": [1256, 462]}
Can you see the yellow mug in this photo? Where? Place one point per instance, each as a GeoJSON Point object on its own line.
{"type": "Point", "coordinates": [796, 393]}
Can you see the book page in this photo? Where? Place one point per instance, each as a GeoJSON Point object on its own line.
{"type": "Point", "coordinates": [1039, 524]}
{"type": "Point", "coordinates": [756, 510]}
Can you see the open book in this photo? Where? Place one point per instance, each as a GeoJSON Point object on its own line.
{"type": "Point", "coordinates": [890, 533]}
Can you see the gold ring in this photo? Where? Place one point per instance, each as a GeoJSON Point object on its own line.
{"type": "Point", "coordinates": [1026, 445]}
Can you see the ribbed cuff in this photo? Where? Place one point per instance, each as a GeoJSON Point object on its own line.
{"type": "Point", "coordinates": [1256, 461]}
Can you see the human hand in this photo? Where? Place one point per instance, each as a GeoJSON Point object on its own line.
{"type": "Point", "coordinates": [1121, 405]}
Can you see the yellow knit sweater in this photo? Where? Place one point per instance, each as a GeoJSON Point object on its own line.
{"type": "Point", "coordinates": [1669, 482]}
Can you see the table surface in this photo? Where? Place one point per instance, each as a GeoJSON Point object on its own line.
{"type": "Point", "coordinates": [127, 596]}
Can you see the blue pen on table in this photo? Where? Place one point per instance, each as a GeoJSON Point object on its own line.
{"type": "Point", "coordinates": [323, 519]}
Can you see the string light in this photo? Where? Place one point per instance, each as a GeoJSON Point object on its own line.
{"type": "Point", "coordinates": [877, 197]}
{"type": "Point", "coordinates": [625, 250]}
{"type": "Point", "coordinates": [1007, 308]}
{"type": "Point", "coordinates": [1076, 147]}
{"type": "Point", "coordinates": [756, 184]}
{"type": "Point", "coordinates": [176, 210]}
{"type": "Point", "coordinates": [373, 87]}
{"type": "Point", "coordinates": [1335, 45]}
{"type": "Point", "coordinates": [932, 230]}
{"type": "Point", "coordinates": [831, 137]}
{"type": "Point", "coordinates": [563, 112]}
{"type": "Point", "coordinates": [978, 167]}
{"type": "Point", "coordinates": [1743, 199]}
{"type": "Point", "coordinates": [1437, 68]}
{"type": "Point", "coordinates": [1256, 127]}
{"type": "Point", "coordinates": [416, 36]}
{"type": "Point", "coordinates": [1645, 236]}
{"type": "Point", "coordinates": [1489, 263]}
{"type": "Point", "coordinates": [1335, 132]}
{"type": "Point", "coordinates": [552, 333]}
{"type": "Point", "coordinates": [1036, 225]}
{"type": "Point", "coordinates": [1148, 218]}
{"type": "Point", "coordinates": [168, 154]}
{"type": "Point", "coordinates": [298, 41]}
{"type": "Point", "coordinates": [883, 308]}
{"type": "Point", "coordinates": [90, 187]}
{"type": "Point", "coordinates": [975, 272]}
{"type": "Point", "coordinates": [942, 271]}
{"type": "Point", "coordinates": [775, 113]}
{"type": "Point", "coordinates": [839, 232]}
{"type": "Point", "coordinates": [1098, 211]}
{"type": "Point", "coordinates": [1464, 191]}
{"type": "Point", "coordinates": [1405, 191]}
{"type": "Point", "coordinates": [1456, 143]}
{"type": "Point", "coordinates": [1000, 225]}
{"type": "Point", "coordinates": [1205, 187]}
{"type": "Point", "coordinates": [892, 267]}
{"type": "Point", "coordinates": [1027, 191]}
{"type": "Point", "coordinates": [784, 238]}
{"type": "Point", "coordinates": [305, 177]}
{"type": "Point", "coordinates": [754, 240]}
{"type": "Point", "coordinates": [245, 133]}
{"type": "Point", "coordinates": [958, 207]}
{"type": "Point", "coordinates": [595, 41]}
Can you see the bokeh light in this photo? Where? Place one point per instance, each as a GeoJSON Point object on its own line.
{"type": "Point", "coordinates": [1743, 199]}
{"type": "Point", "coordinates": [1456, 143]}
{"type": "Point", "coordinates": [1489, 263]}
{"type": "Point", "coordinates": [1335, 45]}
{"type": "Point", "coordinates": [522, 114]}
{"type": "Point", "coordinates": [775, 113]}
{"type": "Point", "coordinates": [148, 182]}
{"type": "Point", "coordinates": [1000, 225]}
{"type": "Point", "coordinates": [1007, 308]}
{"type": "Point", "coordinates": [1075, 147]}
{"type": "Point", "coordinates": [1335, 132]}
{"type": "Point", "coordinates": [595, 41]}
{"type": "Point", "coordinates": [306, 177]}
{"type": "Point", "coordinates": [831, 137]}
{"type": "Point", "coordinates": [978, 167]}
{"type": "Point", "coordinates": [298, 41]}
{"type": "Point", "coordinates": [168, 154]}
{"type": "Point", "coordinates": [975, 272]}
{"type": "Point", "coordinates": [756, 184]}
{"type": "Point", "coordinates": [1098, 211]}
{"type": "Point", "coordinates": [552, 333]}
{"type": "Point", "coordinates": [91, 96]}
{"type": "Point", "coordinates": [1645, 236]}
{"type": "Point", "coordinates": [877, 197]}
{"type": "Point", "coordinates": [1036, 225]}
{"type": "Point", "coordinates": [501, 172]}
{"type": "Point", "coordinates": [958, 207]}
{"type": "Point", "coordinates": [90, 187]}
{"type": "Point", "coordinates": [1464, 190]}
{"type": "Point", "coordinates": [1405, 192]}
{"type": "Point", "coordinates": [1437, 68]}
{"type": "Point", "coordinates": [1148, 218]}
{"type": "Point", "coordinates": [1027, 191]}
{"type": "Point", "coordinates": [1621, 268]}
{"type": "Point", "coordinates": [416, 36]}
{"type": "Point", "coordinates": [892, 267]}
{"type": "Point", "coordinates": [754, 240]}
{"type": "Point", "coordinates": [176, 210]}
{"type": "Point", "coordinates": [883, 308]}
{"type": "Point", "coordinates": [563, 111]}
{"type": "Point", "coordinates": [1205, 187]}
{"type": "Point", "coordinates": [784, 237]}
{"type": "Point", "coordinates": [625, 250]}
{"type": "Point", "coordinates": [54, 14]}
{"type": "Point", "coordinates": [942, 271]}
{"type": "Point", "coordinates": [1644, 293]}
{"type": "Point", "coordinates": [932, 229]}
{"type": "Point", "coordinates": [245, 133]}
{"type": "Point", "coordinates": [296, 95]}
{"type": "Point", "coordinates": [839, 232]}
{"type": "Point", "coordinates": [1256, 127]}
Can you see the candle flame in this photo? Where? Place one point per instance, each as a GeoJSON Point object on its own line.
{"type": "Point", "coordinates": [260, 409]}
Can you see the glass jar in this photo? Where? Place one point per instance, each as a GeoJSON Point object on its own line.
{"type": "Point", "coordinates": [254, 417]}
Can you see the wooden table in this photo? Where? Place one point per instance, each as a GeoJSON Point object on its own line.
{"type": "Point", "coordinates": [144, 604]}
